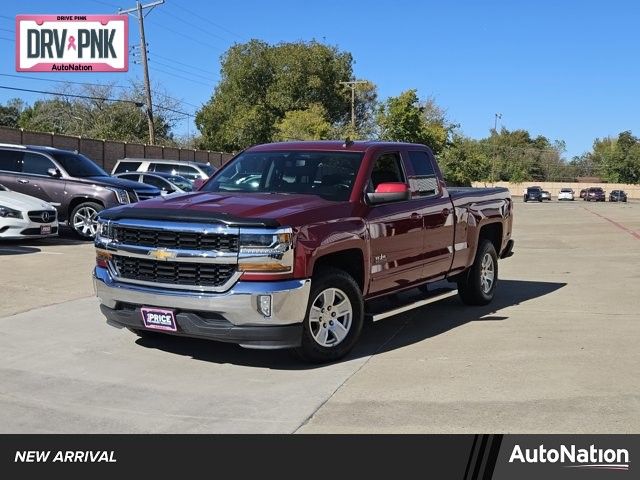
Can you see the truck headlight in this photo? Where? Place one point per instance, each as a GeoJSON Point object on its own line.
{"type": "Point", "coordinates": [104, 230]}
{"type": "Point", "coordinates": [121, 195]}
{"type": "Point", "coordinates": [6, 212]}
{"type": "Point", "coordinates": [266, 250]}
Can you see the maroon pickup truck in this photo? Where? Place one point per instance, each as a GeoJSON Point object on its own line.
{"type": "Point", "coordinates": [289, 245]}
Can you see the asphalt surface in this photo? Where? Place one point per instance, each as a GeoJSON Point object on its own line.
{"type": "Point", "coordinates": [557, 351]}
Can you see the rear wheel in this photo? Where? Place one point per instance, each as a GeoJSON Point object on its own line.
{"type": "Point", "coordinates": [84, 219]}
{"type": "Point", "coordinates": [335, 315]}
{"type": "Point", "coordinates": [478, 286]}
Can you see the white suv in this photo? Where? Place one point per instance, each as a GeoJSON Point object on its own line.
{"type": "Point", "coordinates": [189, 170]}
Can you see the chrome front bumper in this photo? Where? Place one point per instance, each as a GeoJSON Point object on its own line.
{"type": "Point", "coordinates": [238, 305]}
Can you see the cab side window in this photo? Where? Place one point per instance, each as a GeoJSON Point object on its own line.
{"type": "Point", "coordinates": [387, 168]}
{"type": "Point", "coordinates": [424, 181]}
{"type": "Point", "coordinates": [35, 164]}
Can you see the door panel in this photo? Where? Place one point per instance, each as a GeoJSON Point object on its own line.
{"type": "Point", "coordinates": [36, 181]}
{"type": "Point", "coordinates": [432, 202]}
{"type": "Point", "coordinates": [395, 231]}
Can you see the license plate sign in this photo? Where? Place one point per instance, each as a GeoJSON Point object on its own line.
{"type": "Point", "coordinates": [45, 229]}
{"type": "Point", "coordinates": [159, 319]}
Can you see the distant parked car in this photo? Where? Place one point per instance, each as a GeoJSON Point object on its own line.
{"type": "Point", "coordinates": [566, 194]}
{"type": "Point", "coordinates": [23, 216]}
{"type": "Point", "coordinates": [546, 195]}
{"type": "Point", "coordinates": [595, 194]}
{"type": "Point", "coordinates": [166, 182]}
{"type": "Point", "coordinates": [533, 194]}
{"type": "Point", "coordinates": [618, 196]}
{"type": "Point", "coordinates": [71, 182]}
{"type": "Point", "coordinates": [189, 170]}
{"type": "Point", "coordinates": [583, 193]}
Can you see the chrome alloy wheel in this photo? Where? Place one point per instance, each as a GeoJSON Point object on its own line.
{"type": "Point", "coordinates": [330, 317]}
{"type": "Point", "coordinates": [84, 221]}
{"type": "Point", "coordinates": [487, 273]}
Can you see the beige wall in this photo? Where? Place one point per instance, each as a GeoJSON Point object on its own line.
{"type": "Point", "coordinates": [517, 189]}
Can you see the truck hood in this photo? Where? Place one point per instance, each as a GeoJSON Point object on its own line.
{"type": "Point", "coordinates": [234, 209]}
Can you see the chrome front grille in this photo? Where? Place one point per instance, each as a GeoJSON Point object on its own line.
{"type": "Point", "coordinates": [173, 273]}
{"type": "Point", "coordinates": [42, 216]}
{"type": "Point", "coordinates": [220, 242]}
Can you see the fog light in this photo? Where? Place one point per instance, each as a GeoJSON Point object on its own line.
{"type": "Point", "coordinates": [264, 305]}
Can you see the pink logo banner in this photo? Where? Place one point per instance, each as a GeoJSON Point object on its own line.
{"type": "Point", "coordinates": [72, 43]}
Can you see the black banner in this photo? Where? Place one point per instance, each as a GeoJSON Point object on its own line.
{"type": "Point", "coordinates": [461, 457]}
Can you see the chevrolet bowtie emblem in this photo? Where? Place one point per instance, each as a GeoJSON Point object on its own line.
{"type": "Point", "coordinates": [162, 254]}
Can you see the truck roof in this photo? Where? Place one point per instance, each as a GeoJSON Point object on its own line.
{"type": "Point", "coordinates": [333, 145]}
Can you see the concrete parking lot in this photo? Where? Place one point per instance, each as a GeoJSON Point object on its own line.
{"type": "Point", "coordinates": [556, 352]}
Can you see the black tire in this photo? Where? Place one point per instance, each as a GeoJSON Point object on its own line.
{"type": "Point", "coordinates": [540, 200]}
{"type": "Point", "coordinates": [470, 286]}
{"type": "Point", "coordinates": [526, 199]}
{"type": "Point", "coordinates": [82, 210]}
{"type": "Point", "coordinates": [341, 283]}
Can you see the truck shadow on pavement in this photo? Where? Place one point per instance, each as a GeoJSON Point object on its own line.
{"type": "Point", "coordinates": [389, 334]}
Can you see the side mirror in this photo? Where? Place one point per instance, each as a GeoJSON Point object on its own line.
{"type": "Point", "coordinates": [53, 172]}
{"type": "Point", "coordinates": [389, 192]}
{"type": "Point", "coordinates": [198, 183]}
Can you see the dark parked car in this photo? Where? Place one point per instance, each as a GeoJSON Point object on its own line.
{"type": "Point", "coordinates": [583, 193]}
{"type": "Point", "coordinates": [533, 194]}
{"type": "Point", "coordinates": [595, 194]}
{"type": "Point", "coordinates": [71, 182]}
{"type": "Point", "coordinates": [618, 196]}
{"type": "Point", "coordinates": [166, 182]}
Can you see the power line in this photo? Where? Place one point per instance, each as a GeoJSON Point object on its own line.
{"type": "Point", "coordinates": [155, 69]}
{"type": "Point", "coordinates": [91, 97]}
{"type": "Point", "coordinates": [199, 17]}
{"type": "Point", "coordinates": [188, 73]}
{"type": "Point", "coordinates": [173, 16]}
{"type": "Point", "coordinates": [184, 64]}
{"type": "Point", "coordinates": [189, 37]}
{"type": "Point", "coordinates": [9, 39]}
{"type": "Point", "coordinates": [73, 95]}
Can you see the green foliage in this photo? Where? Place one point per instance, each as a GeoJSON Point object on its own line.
{"type": "Point", "coordinates": [260, 83]}
{"type": "Point", "coordinates": [615, 159]}
{"type": "Point", "coordinates": [406, 119]}
{"type": "Point", "coordinates": [308, 124]}
{"type": "Point", "coordinates": [97, 118]}
{"type": "Point", "coordinates": [10, 113]}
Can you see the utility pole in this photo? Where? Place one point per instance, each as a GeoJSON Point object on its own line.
{"type": "Point", "coordinates": [352, 84]}
{"type": "Point", "coordinates": [495, 122]}
{"type": "Point", "coordinates": [497, 116]}
{"type": "Point", "coordinates": [138, 10]}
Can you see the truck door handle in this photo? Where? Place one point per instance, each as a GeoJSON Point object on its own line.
{"type": "Point", "coordinates": [445, 212]}
{"type": "Point", "coordinates": [22, 180]}
{"type": "Point", "coordinates": [415, 216]}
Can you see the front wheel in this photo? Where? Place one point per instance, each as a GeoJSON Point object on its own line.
{"type": "Point", "coordinates": [478, 286]}
{"type": "Point", "coordinates": [84, 219]}
{"type": "Point", "coordinates": [335, 315]}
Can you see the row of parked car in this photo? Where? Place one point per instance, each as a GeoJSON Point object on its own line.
{"type": "Point", "coordinates": [591, 194]}
{"type": "Point", "coordinates": [42, 187]}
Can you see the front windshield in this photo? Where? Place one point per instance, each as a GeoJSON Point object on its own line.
{"type": "Point", "coordinates": [329, 175]}
{"type": "Point", "coordinates": [77, 165]}
{"type": "Point", "coordinates": [181, 182]}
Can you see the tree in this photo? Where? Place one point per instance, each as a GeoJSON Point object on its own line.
{"type": "Point", "coordinates": [406, 119]}
{"type": "Point", "coordinates": [98, 117]}
{"type": "Point", "coordinates": [616, 159]}
{"type": "Point", "coordinates": [10, 113]}
{"type": "Point", "coordinates": [308, 124]}
{"type": "Point", "coordinates": [260, 83]}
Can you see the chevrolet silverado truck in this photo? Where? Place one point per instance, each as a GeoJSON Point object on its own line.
{"type": "Point", "coordinates": [292, 245]}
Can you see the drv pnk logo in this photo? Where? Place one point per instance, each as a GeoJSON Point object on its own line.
{"type": "Point", "coordinates": [63, 43]}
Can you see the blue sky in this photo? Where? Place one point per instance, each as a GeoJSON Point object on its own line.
{"type": "Point", "coordinates": [565, 69]}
